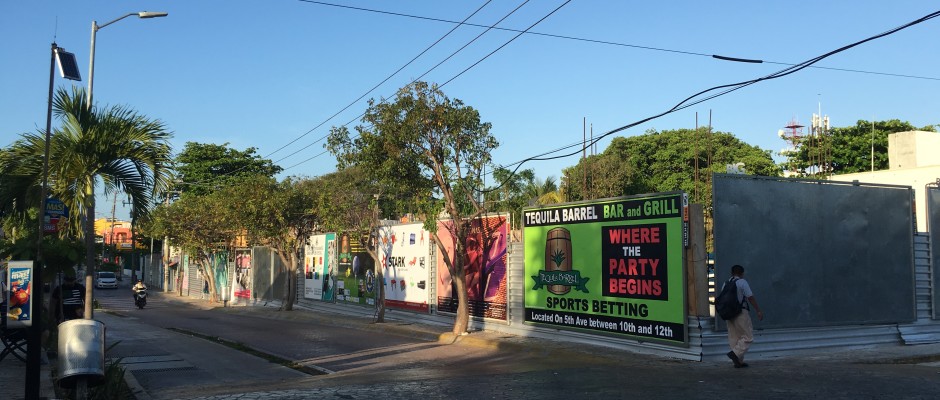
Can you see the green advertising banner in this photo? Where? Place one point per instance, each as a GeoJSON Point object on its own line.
{"type": "Point", "coordinates": [356, 280]}
{"type": "Point", "coordinates": [614, 266]}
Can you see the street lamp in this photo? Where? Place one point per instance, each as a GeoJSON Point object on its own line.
{"type": "Point", "coordinates": [91, 76]}
{"type": "Point", "coordinates": [94, 31]}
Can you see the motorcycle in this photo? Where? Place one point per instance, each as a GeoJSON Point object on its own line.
{"type": "Point", "coordinates": [140, 298]}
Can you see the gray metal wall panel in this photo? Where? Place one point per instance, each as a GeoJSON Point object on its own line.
{"type": "Point", "coordinates": [516, 282]}
{"type": "Point", "coordinates": [261, 274]}
{"type": "Point", "coordinates": [279, 285]}
{"type": "Point", "coordinates": [196, 280]}
{"type": "Point", "coordinates": [817, 253]}
{"type": "Point", "coordinates": [933, 226]}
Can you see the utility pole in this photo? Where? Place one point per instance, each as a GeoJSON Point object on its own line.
{"type": "Point", "coordinates": [111, 236]}
{"type": "Point", "coordinates": [872, 144]}
{"type": "Point", "coordinates": [166, 253]}
{"type": "Point", "coordinates": [134, 261]}
{"type": "Point", "coordinates": [695, 197]}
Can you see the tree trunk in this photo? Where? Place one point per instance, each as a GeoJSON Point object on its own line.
{"type": "Point", "coordinates": [379, 292]}
{"type": "Point", "coordinates": [463, 308]}
{"type": "Point", "coordinates": [89, 228]}
{"type": "Point", "coordinates": [179, 276]}
{"type": "Point", "coordinates": [455, 265]}
{"type": "Point", "coordinates": [291, 283]}
{"type": "Point", "coordinates": [209, 275]}
{"type": "Point", "coordinates": [374, 252]}
{"type": "Point", "coordinates": [291, 293]}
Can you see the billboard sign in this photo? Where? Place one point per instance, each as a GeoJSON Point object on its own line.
{"type": "Point", "coordinates": [56, 217]}
{"type": "Point", "coordinates": [356, 280]}
{"type": "Point", "coordinates": [19, 294]}
{"type": "Point", "coordinates": [241, 288]}
{"type": "Point", "coordinates": [485, 268]}
{"type": "Point", "coordinates": [405, 254]}
{"type": "Point", "coordinates": [319, 267]}
{"type": "Point", "coordinates": [612, 266]}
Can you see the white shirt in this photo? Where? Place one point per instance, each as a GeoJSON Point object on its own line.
{"type": "Point", "coordinates": [744, 291]}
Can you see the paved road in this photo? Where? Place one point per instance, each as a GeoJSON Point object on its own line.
{"type": "Point", "coordinates": [398, 361]}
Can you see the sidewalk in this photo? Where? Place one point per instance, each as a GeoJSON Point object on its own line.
{"type": "Point", "coordinates": [427, 327]}
{"type": "Point", "coordinates": [13, 379]}
{"type": "Point", "coordinates": [180, 364]}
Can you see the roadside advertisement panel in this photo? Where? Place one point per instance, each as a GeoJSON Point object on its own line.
{"type": "Point", "coordinates": [220, 268]}
{"type": "Point", "coordinates": [356, 280]}
{"type": "Point", "coordinates": [317, 271]}
{"type": "Point", "coordinates": [485, 267]}
{"type": "Point", "coordinates": [241, 288]}
{"type": "Point", "coordinates": [613, 266]}
{"type": "Point", "coordinates": [19, 294]}
{"type": "Point", "coordinates": [404, 253]}
{"type": "Point", "coordinates": [56, 218]}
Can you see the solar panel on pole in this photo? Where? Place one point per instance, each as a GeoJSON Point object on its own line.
{"type": "Point", "coordinates": [68, 68]}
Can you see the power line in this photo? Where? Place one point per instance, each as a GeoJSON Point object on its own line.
{"type": "Point", "coordinates": [351, 103]}
{"type": "Point", "coordinates": [493, 26]}
{"type": "Point", "coordinates": [612, 43]}
{"type": "Point", "coordinates": [528, 31]}
{"type": "Point", "coordinates": [692, 100]}
{"type": "Point", "coordinates": [466, 69]}
{"type": "Point", "coordinates": [380, 83]}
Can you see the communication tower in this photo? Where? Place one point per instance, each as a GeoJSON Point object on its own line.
{"type": "Point", "coordinates": [793, 135]}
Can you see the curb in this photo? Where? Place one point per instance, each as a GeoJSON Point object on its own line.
{"type": "Point", "coordinates": [137, 390]}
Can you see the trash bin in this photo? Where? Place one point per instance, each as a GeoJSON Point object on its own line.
{"type": "Point", "coordinates": [81, 352]}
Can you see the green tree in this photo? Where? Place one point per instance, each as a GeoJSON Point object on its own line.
{"type": "Point", "coordinates": [432, 146]}
{"type": "Point", "coordinates": [112, 146]}
{"type": "Point", "coordinates": [601, 176]}
{"type": "Point", "coordinates": [60, 252]}
{"type": "Point", "coordinates": [510, 192]}
{"type": "Point", "coordinates": [544, 192]}
{"type": "Point", "coordinates": [665, 161]}
{"type": "Point", "coordinates": [279, 215]}
{"type": "Point", "coordinates": [849, 149]}
{"type": "Point", "coordinates": [513, 191]}
{"type": "Point", "coordinates": [201, 226]}
{"type": "Point", "coordinates": [350, 201]}
{"type": "Point", "coordinates": [202, 168]}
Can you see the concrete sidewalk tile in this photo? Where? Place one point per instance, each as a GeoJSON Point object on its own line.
{"type": "Point", "coordinates": [13, 379]}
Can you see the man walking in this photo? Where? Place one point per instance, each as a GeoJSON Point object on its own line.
{"type": "Point", "coordinates": [68, 300]}
{"type": "Point", "coordinates": [740, 330]}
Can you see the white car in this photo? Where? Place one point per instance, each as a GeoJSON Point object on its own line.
{"type": "Point", "coordinates": [106, 280]}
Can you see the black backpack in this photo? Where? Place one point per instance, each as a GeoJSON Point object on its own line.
{"type": "Point", "coordinates": [727, 305]}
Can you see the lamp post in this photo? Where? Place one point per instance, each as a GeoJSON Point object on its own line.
{"type": "Point", "coordinates": [94, 31]}
{"type": "Point", "coordinates": [69, 70]}
{"type": "Point", "coordinates": [89, 272]}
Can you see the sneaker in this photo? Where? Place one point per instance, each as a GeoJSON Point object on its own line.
{"type": "Point", "coordinates": [734, 358]}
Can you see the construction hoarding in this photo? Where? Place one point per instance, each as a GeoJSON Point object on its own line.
{"type": "Point", "coordinates": [612, 266]}
{"type": "Point", "coordinates": [405, 254]}
{"type": "Point", "coordinates": [485, 267]}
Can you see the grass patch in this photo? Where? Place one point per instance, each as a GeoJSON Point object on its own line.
{"type": "Point", "coordinates": [255, 352]}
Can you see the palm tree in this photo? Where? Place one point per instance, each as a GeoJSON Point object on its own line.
{"type": "Point", "coordinates": [545, 192]}
{"type": "Point", "coordinates": [114, 146]}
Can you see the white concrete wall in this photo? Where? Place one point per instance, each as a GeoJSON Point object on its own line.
{"type": "Point", "coordinates": [913, 149]}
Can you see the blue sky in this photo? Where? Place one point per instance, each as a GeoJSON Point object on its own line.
{"type": "Point", "coordinates": [263, 73]}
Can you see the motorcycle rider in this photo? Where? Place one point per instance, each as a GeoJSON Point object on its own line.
{"type": "Point", "coordinates": [138, 286]}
